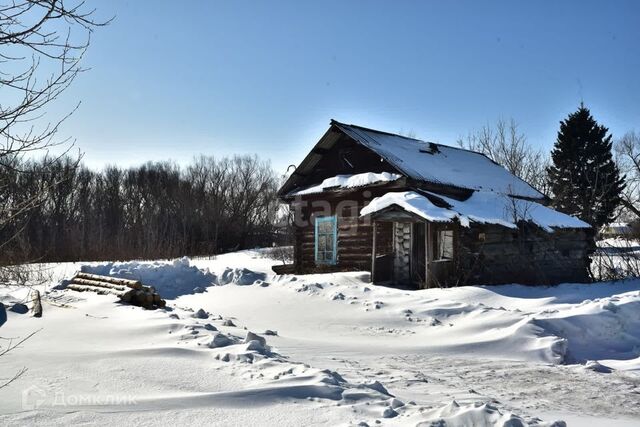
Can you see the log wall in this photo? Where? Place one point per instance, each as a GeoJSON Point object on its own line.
{"type": "Point", "coordinates": [484, 254]}
{"type": "Point", "coordinates": [490, 254]}
{"type": "Point", "coordinates": [355, 235]}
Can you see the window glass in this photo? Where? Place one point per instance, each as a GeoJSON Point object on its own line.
{"type": "Point", "coordinates": [325, 237]}
{"type": "Point", "coordinates": [445, 244]}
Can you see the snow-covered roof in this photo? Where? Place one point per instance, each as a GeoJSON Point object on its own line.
{"type": "Point", "coordinates": [439, 163]}
{"type": "Point", "coordinates": [349, 181]}
{"type": "Point", "coordinates": [482, 207]}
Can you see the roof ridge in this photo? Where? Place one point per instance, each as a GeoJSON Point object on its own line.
{"type": "Point", "coordinates": [378, 131]}
{"type": "Point", "coordinates": [336, 122]}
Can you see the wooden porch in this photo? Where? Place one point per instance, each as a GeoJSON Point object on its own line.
{"type": "Point", "coordinates": [420, 253]}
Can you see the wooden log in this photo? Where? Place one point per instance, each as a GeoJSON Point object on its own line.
{"type": "Point", "coordinates": [135, 284]}
{"type": "Point", "coordinates": [127, 296]}
{"type": "Point", "coordinates": [89, 282]}
{"type": "Point", "coordinates": [143, 298]}
{"type": "Point", "coordinates": [37, 303]}
{"type": "Point", "coordinates": [148, 300]}
{"type": "Point", "coordinates": [96, 289]}
{"type": "Point", "coordinates": [129, 291]}
{"type": "Point", "coordinates": [361, 256]}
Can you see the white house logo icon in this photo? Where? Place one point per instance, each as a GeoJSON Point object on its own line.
{"type": "Point", "coordinates": [32, 398]}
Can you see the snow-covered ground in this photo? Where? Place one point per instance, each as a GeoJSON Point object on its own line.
{"type": "Point", "coordinates": [616, 258]}
{"type": "Point", "coordinates": [620, 243]}
{"type": "Point", "coordinates": [239, 345]}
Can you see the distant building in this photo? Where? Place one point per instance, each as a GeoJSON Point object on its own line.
{"type": "Point", "coordinates": [419, 214]}
{"type": "Point", "coordinates": [616, 229]}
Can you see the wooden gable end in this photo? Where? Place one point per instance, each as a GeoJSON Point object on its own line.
{"type": "Point", "coordinates": [335, 154]}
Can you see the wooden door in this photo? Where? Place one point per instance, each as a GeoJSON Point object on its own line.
{"type": "Point", "coordinates": [418, 253]}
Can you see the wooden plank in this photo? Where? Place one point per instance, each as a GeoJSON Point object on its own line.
{"type": "Point", "coordinates": [37, 303]}
{"type": "Point", "coordinates": [411, 249]}
{"type": "Point", "coordinates": [373, 253]}
{"type": "Point", "coordinates": [429, 254]}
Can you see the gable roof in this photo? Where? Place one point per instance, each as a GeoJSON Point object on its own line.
{"type": "Point", "coordinates": [424, 161]}
{"type": "Point", "coordinates": [440, 164]}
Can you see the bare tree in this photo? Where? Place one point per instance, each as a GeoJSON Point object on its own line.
{"type": "Point", "coordinates": [40, 52]}
{"type": "Point", "coordinates": [627, 150]}
{"type": "Point", "coordinates": [41, 45]}
{"type": "Point", "coordinates": [507, 146]}
{"type": "Point", "coordinates": [615, 261]}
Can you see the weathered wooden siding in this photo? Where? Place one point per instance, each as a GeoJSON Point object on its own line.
{"type": "Point", "coordinates": [529, 255]}
{"type": "Point", "coordinates": [355, 237]}
{"type": "Point", "coordinates": [484, 254]}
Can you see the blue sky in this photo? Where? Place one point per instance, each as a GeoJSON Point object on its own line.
{"type": "Point", "coordinates": [171, 80]}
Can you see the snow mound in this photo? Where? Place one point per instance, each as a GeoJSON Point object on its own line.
{"type": "Point", "coordinates": [220, 340]}
{"type": "Point", "coordinates": [607, 328]}
{"type": "Point", "coordinates": [564, 324]}
{"type": "Point", "coordinates": [201, 314]}
{"type": "Point", "coordinates": [241, 277]}
{"type": "Point", "coordinates": [478, 414]}
{"type": "Point", "coordinates": [171, 279]}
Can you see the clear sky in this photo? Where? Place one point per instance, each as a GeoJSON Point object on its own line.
{"type": "Point", "coordinates": [174, 79]}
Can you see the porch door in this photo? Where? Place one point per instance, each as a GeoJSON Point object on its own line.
{"type": "Point", "coordinates": [419, 253]}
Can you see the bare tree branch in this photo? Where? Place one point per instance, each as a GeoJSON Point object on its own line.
{"type": "Point", "coordinates": [507, 146]}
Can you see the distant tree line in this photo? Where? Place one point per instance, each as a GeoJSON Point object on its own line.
{"type": "Point", "coordinates": [157, 210]}
{"type": "Point", "coordinates": [55, 209]}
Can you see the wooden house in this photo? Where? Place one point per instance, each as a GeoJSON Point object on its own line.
{"type": "Point", "coordinates": [616, 229]}
{"type": "Point", "coordinates": [418, 214]}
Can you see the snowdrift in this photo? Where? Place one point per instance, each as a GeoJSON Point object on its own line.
{"type": "Point", "coordinates": [176, 278]}
{"type": "Point", "coordinates": [606, 328]}
{"type": "Point", "coordinates": [570, 323]}
{"type": "Point", "coordinates": [237, 344]}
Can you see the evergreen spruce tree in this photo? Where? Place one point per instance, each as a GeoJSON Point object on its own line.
{"type": "Point", "coordinates": [583, 178]}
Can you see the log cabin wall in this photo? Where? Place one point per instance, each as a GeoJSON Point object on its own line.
{"type": "Point", "coordinates": [484, 254]}
{"type": "Point", "coordinates": [490, 254]}
{"type": "Point", "coordinates": [354, 234]}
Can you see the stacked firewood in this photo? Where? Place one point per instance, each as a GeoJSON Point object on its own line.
{"type": "Point", "coordinates": [129, 291]}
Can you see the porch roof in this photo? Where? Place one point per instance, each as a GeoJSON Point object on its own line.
{"type": "Point", "coordinates": [482, 207]}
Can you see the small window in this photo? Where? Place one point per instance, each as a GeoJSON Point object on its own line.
{"type": "Point", "coordinates": [444, 244]}
{"type": "Point", "coordinates": [326, 239]}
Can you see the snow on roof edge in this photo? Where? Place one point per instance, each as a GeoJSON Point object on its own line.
{"type": "Point", "coordinates": [481, 207]}
{"type": "Point", "coordinates": [348, 181]}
